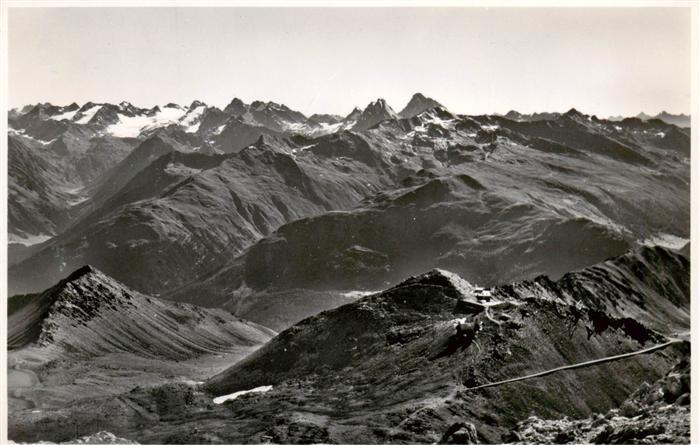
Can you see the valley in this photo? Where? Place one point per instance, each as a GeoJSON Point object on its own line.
{"type": "Point", "coordinates": [250, 274]}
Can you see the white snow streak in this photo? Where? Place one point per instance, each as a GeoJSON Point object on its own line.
{"type": "Point", "coordinates": [88, 114]}
{"type": "Point", "coordinates": [237, 394]}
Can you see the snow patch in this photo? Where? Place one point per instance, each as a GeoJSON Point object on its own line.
{"type": "Point", "coordinates": [490, 128]}
{"type": "Point", "coordinates": [88, 114]}
{"type": "Point", "coordinates": [219, 129]}
{"type": "Point", "coordinates": [193, 119]}
{"type": "Point", "coordinates": [28, 240]}
{"type": "Point", "coordinates": [237, 394]}
{"type": "Point", "coordinates": [356, 294]}
{"type": "Point", "coordinates": [63, 116]}
{"type": "Point", "coordinates": [132, 126]}
{"type": "Point", "coordinates": [665, 240]}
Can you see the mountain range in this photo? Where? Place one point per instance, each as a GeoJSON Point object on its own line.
{"type": "Point", "coordinates": [163, 258]}
{"type": "Point", "coordinates": [388, 367]}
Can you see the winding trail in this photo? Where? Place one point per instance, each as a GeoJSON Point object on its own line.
{"type": "Point", "coordinates": [579, 365]}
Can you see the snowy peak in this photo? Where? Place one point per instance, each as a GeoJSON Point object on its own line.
{"type": "Point", "coordinates": [417, 105]}
{"type": "Point", "coordinates": [274, 116]}
{"type": "Point", "coordinates": [193, 118]}
{"type": "Point", "coordinates": [375, 113]}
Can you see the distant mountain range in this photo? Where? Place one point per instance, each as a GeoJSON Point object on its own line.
{"type": "Point", "coordinates": [143, 193]}
{"type": "Point", "coordinates": [190, 274]}
{"type": "Point", "coordinates": [681, 120]}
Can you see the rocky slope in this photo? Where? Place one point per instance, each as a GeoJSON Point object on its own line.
{"type": "Point", "coordinates": [392, 367]}
{"type": "Point", "coordinates": [400, 359]}
{"type": "Point", "coordinates": [496, 199]}
{"type": "Point", "coordinates": [89, 314]}
{"type": "Point", "coordinates": [655, 413]}
{"type": "Point", "coordinates": [202, 220]}
{"type": "Point", "coordinates": [90, 338]}
{"type": "Point", "coordinates": [417, 105]}
{"type": "Point", "coordinates": [37, 204]}
{"type": "Point", "coordinates": [498, 206]}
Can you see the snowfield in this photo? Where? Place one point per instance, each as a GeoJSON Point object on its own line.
{"type": "Point", "coordinates": [88, 114]}
{"type": "Point", "coordinates": [131, 127]}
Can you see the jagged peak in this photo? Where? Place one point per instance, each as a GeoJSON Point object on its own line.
{"type": "Point", "coordinates": [438, 111]}
{"type": "Point", "coordinates": [87, 105]}
{"type": "Point", "coordinates": [78, 273]}
{"type": "Point", "coordinates": [379, 106]}
{"type": "Point", "coordinates": [354, 114]}
{"type": "Point", "coordinates": [76, 276]}
{"type": "Point", "coordinates": [197, 103]}
{"type": "Point", "coordinates": [379, 103]}
{"type": "Point", "coordinates": [236, 101]}
{"type": "Point", "coordinates": [418, 104]}
{"type": "Point", "coordinates": [573, 112]}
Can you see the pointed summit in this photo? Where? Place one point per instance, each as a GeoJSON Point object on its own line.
{"type": "Point", "coordinates": [354, 115]}
{"type": "Point", "coordinates": [375, 113]}
{"type": "Point", "coordinates": [236, 108]}
{"type": "Point", "coordinates": [417, 105]}
{"type": "Point", "coordinates": [513, 115]}
{"type": "Point", "coordinates": [197, 103]}
{"type": "Point", "coordinates": [575, 115]}
{"type": "Point", "coordinates": [90, 313]}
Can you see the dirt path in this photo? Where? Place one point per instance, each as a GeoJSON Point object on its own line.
{"type": "Point", "coordinates": [578, 365]}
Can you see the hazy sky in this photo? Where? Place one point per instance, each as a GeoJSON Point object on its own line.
{"type": "Point", "coordinates": [473, 60]}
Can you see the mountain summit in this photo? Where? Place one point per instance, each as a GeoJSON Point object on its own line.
{"type": "Point", "coordinates": [375, 113]}
{"type": "Point", "coordinates": [417, 105]}
{"type": "Point", "coordinates": [89, 313]}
